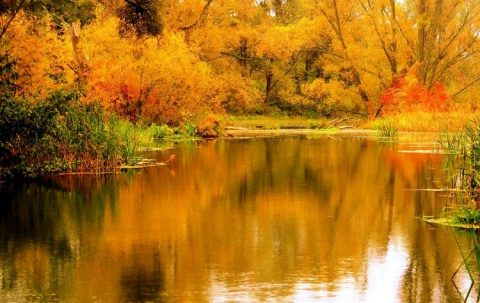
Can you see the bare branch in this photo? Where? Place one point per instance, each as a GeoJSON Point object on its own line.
{"type": "Point", "coordinates": [202, 13]}
{"type": "Point", "coordinates": [466, 86]}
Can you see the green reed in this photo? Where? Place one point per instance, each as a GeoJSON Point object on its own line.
{"type": "Point", "coordinates": [130, 139]}
{"type": "Point", "coordinates": [386, 129]}
{"type": "Point", "coordinates": [463, 159]}
{"type": "Point", "coordinates": [463, 169]}
{"type": "Point", "coordinates": [472, 271]}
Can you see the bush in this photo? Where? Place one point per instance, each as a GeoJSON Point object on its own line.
{"type": "Point", "coordinates": [407, 93]}
{"type": "Point", "coordinates": [161, 131]}
{"type": "Point", "coordinates": [56, 134]}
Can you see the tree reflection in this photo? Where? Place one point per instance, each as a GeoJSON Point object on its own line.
{"type": "Point", "coordinates": [41, 229]}
{"type": "Point", "coordinates": [265, 218]}
{"type": "Point", "coordinates": [143, 278]}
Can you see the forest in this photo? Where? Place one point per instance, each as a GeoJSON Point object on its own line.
{"type": "Point", "coordinates": [76, 75]}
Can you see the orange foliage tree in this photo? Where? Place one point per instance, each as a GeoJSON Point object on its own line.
{"type": "Point", "coordinates": [159, 79]}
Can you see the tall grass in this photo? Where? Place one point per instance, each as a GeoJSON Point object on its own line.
{"type": "Point", "coordinates": [386, 129]}
{"type": "Point", "coordinates": [463, 169]}
{"type": "Point", "coordinates": [185, 130]}
{"type": "Point", "coordinates": [427, 121]}
{"type": "Point", "coordinates": [130, 139]}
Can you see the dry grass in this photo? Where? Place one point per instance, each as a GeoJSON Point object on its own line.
{"type": "Point", "coordinates": [426, 122]}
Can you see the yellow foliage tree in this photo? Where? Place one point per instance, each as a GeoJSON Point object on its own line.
{"type": "Point", "coordinates": [159, 79]}
{"type": "Point", "coordinates": [43, 56]}
{"type": "Point", "coordinates": [239, 56]}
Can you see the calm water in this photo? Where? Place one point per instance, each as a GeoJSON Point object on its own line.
{"type": "Point", "coordinates": [262, 220]}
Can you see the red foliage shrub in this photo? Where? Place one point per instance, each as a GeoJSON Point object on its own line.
{"type": "Point", "coordinates": [407, 94]}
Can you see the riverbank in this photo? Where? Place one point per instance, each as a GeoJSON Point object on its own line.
{"type": "Point", "coordinates": [405, 122]}
{"type": "Point", "coordinates": [290, 132]}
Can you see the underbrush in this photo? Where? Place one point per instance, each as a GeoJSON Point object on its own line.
{"type": "Point", "coordinates": [184, 131]}
{"type": "Point", "coordinates": [60, 134]}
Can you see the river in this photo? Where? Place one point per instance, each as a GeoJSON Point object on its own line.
{"type": "Point", "coordinates": [293, 219]}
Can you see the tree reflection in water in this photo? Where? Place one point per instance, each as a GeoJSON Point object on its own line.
{"type": "Point", "coordinates": [142, 276]}
{"type": "Point", "coordinates": [266, 219]}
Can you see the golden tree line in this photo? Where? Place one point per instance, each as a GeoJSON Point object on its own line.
{"type": "Point", "coordinates": [172, 60]}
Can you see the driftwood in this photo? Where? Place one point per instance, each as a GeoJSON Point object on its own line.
{"type": "Point", "coordinates": [337, 121]}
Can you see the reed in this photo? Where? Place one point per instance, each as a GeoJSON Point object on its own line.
{"type": "Point", "coordinates": [462, 166]}
{"type": "Point", "coordinates": [130, 140]}
{"type": "Point", "coordinates": [452, 143]}
{"type": "Point", "coordinates": [386, 129]}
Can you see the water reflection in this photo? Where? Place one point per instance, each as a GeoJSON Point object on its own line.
{"type": "Point", "coordinates": [290, 219]}
{"type": "Point", "coordinates": [142, 278]}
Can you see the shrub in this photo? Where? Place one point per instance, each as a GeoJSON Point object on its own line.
{"type": "Point", "coordinates": [161, 131]}
{"type": "Point", "coordinates": [407, 93]}
{"type": "Point", "coordinates": [58, 134]}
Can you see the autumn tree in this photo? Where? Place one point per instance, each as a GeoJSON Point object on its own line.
{"type": "Point", "coordinates": [42, 56]}
{"type": "Point", "coordinates": [161, 81]}
{"type": "Point", "coordinates": [164, 60]}
{"type": "Point", "coordinates": [285, 12]}
{"type": "Point", "coordinates": [339, 14]}
{"type": "Point", "coordinates": [248, 37]}
{"type": "Point", "coordinates": [420, 39]}
{"type": "Point", "coordinates": [447, 33]}
{"type": "Point", "coordinates": [188, 28]}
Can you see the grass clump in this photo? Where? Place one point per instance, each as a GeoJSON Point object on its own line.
{"type": "Point", "coordinates": [185, 130]}
{"type": "Point", "coordinates": [385, 129]}
{"type": "Point", "coordinates": [318, 124]}
{"type": "Point", "coordinates": [161, 131]}
{"type": "Point", "coordinates": [467, 215]}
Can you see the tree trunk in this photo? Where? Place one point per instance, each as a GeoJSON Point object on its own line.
{"type": "Point", "coordinates": [421, 19]}
{"type": "Point", "coordinates": [81, 69]}
{"type": "Point", "coordinates": [268, 85]}
{"type": "Point", "coordinates": [243, 55]}
{"type": "Point", "coordinates": [337, 26]}
{"type": "Point", "coordinates": [311, 55]}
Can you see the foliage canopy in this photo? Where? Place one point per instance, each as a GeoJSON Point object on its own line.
{"type": "Point", "coordinates": [168, 61]}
